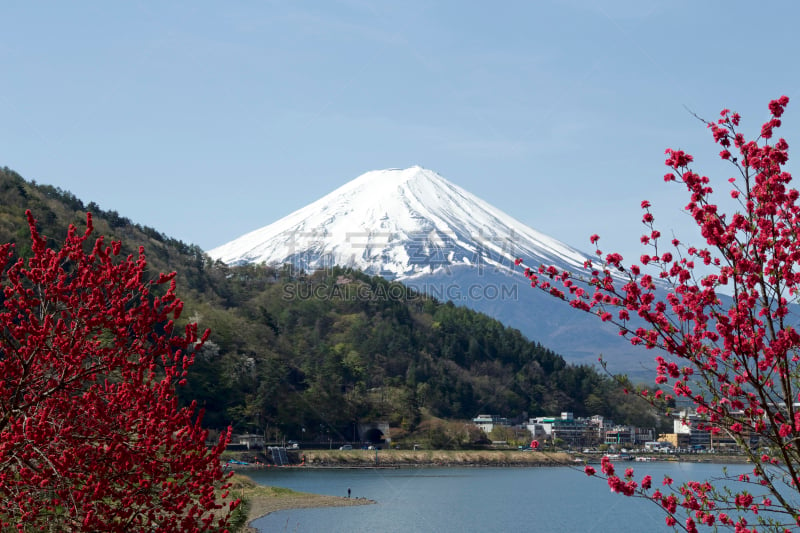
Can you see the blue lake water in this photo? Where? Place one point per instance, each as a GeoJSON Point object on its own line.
{"type": "Point", "coordinates": [557, 499]}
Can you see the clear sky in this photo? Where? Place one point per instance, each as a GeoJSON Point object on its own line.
{"type": "Point", "coordinates": [207, 120]}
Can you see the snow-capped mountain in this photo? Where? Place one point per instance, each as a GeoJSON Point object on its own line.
{"type": "Point", "coordinates": [414, 226]}
{"type": "Point", "coordinates": [398, 223]}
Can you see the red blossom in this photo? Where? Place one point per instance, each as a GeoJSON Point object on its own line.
{"type": "Point", "coordinates": [606, 466]}
{"type": "Point", "coordinates": [744, 500]}
{"type": "Point", "coordinates": [90, 423]}
{"type": "Point", "coordinates": [677, 158]}
{"type": "Point", "coordinates": [776, 107]}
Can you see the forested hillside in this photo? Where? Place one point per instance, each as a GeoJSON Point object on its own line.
{"type": "Point", "coordinates": [291, 351]}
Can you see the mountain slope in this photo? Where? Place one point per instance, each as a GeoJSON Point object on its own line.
{"type": "Point", "coordinates": [414, 226]}
{"type": "Point", "coordinates": [290, 352]}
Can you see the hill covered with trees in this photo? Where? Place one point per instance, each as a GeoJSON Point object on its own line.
{"type": "Point", "coordinates": [307, 355]}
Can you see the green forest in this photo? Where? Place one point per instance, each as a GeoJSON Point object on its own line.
{"type": "Point", "coordinates": [295, 355]}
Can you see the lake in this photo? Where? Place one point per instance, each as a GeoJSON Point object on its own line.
{"type": "Point", "coordinates": [546, 499]}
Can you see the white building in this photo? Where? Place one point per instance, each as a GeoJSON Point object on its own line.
{"type": "Point", "coordinates": [488, 422]}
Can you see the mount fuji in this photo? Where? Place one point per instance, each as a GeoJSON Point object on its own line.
{"type": "Point", "coordinates": [414, 226]}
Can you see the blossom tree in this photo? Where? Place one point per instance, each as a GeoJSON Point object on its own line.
{"type": "Point", "coordinates": [91, 434]}
{"type": "Point", "coordinates": [723, 318]}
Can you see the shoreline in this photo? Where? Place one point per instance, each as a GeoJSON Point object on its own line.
{"type": "Point", "coordinates": [387, 459]}
{"type": "Point", "coordinates": [432, 458]}
{"type": "Point", "coordinates": [263, 500]}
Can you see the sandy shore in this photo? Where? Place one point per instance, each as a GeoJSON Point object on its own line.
{"type": "Point", "coordinates": [265, 500]}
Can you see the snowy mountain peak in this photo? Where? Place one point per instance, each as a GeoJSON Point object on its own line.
{"type": "Point", "coordinates": [415, 226]}
{"type": "Point", "coordinates": [398, 223]}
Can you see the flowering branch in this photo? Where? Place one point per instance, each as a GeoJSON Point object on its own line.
{"type": "Point", "coordinates": [91, 434]}
{"type": "Point", "coordinates": [727, 338]}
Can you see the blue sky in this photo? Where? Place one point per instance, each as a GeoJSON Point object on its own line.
{"type": "Point", "coordinates": [206, 120]}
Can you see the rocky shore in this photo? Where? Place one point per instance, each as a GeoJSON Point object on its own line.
{"type": "Point", "coordinates": [443, 458]}
{"type": "Point", "coordinates": [433, 458]}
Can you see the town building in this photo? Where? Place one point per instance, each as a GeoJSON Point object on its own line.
{"type": "Point", "coordinates": [488, 422]}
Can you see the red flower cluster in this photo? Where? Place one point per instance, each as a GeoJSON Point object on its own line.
{"type": "Point", "coordinates": [719, 313]}
{"type": "Point", "coordinates": [91, 434]}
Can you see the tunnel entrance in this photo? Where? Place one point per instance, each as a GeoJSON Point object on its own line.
{"type": "Point", "coordinates": [374, 436]}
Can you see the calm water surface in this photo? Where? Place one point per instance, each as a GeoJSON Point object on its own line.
{"type": "Point", "coordinates": [555, 499]}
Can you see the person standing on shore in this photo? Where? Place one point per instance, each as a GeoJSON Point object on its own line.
{"type": "Point", "coordinates": [348, 492]}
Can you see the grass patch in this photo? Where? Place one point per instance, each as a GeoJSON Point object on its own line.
{"type": "Point", "coordinates": [260, 500]}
